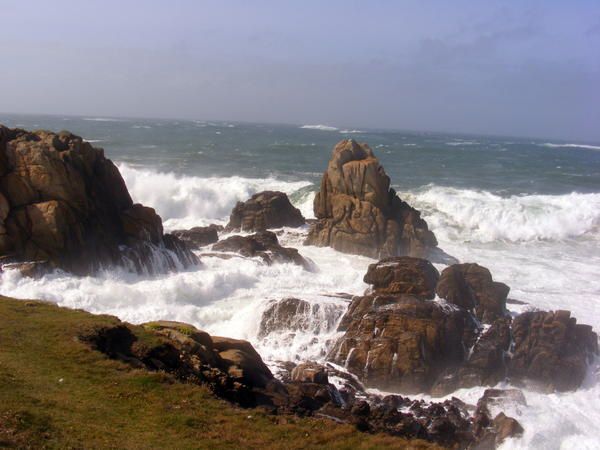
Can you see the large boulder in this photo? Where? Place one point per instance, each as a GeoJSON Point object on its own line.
{"type": "Point", "coordinates": [264, 245]}
{"type": "Point", "coordinates": [62, 202]}
{"type": "Point", "coordinates": [401, 342]}
{"type": "Point", "coordinates": [552, 349]}
{"type": "Point", "coordinates": [268, 209]}
{"type": "Point", "coordinates": [403, 275]}
{"type": "Point", "coordinates": [359, 213]}
{"type": "Point", "coordinates": [470, 286]}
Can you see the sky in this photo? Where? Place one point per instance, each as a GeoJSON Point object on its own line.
{"type": "Point", "coordinates": [519, 68]}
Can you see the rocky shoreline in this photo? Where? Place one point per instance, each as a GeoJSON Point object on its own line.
{"type": "Point", "coordinates": [63, 205]}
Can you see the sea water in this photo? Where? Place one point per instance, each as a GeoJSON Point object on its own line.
{"type": "Point", "coordinates": [528, 209]}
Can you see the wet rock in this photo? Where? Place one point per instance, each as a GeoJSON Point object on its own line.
{"type": "Point", "coordinates": [486, 363]}
{"type": "Point", "coordinates": [470, 286]}
{"type": "Point", "coordinates": [403, 275]}
{"type": "Point", "coordinates": [490, 433]}
{"type": "Point", "coordinates": [552, 349]}
{"type": "Point", "coordinates": [268, 209]}
{"type": "Point", "coordinates": [263, 245]}
{"type": "Point", "coordinates": [293, 314]}
{"type": "Point", "coordinates": [359, 213]}
{"type": "Point", "coordinates": [63, 202]}
{"type": "Point", "coordinates": [401, 342]}
{"type": "Point", "coordinates": [310, 372]}
{"type": "Point", "coordinates": [199, 236]}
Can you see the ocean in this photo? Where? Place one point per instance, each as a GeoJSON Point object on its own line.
{"type": "Point", "coordinates": [528, 209]}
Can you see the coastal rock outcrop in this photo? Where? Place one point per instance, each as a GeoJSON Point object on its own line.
{"type": "Point", "coordinates": [63, 203]}
{"type": "Point", "coordinates": [268, 209]}
{"type": "Point", "coordinates": [359, 213]}
{"type": "Point", "coordinates": [264, 245]}
{"type": "Point", "coordinates": [396, 337]}
{"type": "Point", "coordinates": [551, 349]}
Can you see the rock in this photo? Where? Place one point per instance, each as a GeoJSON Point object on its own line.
{"type": "Point", "coordinates": [401, 342]}
{"type": "Point", "coordinates": [242, 361]}
{"type": "Point", "coordinates": [263, 245]}
{"type": "Point", "coordinates": [199, 236]}
{"type": "Point", "coordinates": [292, 314]}
{"type": "Point", "coordinates": [486, 363]}
{"type": "Point", "coordinates": [471, 287]}
{"type": "Point", "coordinates": [63, 202]}
{"type": "Point", "coordinates": [403, 275]}
{"type": "Point", "coordinates": [358, 213]}
{"type": "Point", "coordinates": [552, 349]}
{"type": "Point", "coordinates": [310, 372]}
{"type": "Point", "coordinates": [268, 209]}
{"type": "Point", "coordinates": [35, 269]}
{"type": "Point", "coordinates": [488, 432]}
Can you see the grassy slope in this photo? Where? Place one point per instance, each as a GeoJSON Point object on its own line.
{"type": "Point", "coordinates": [55, 392]}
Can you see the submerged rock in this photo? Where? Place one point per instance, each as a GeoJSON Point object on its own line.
{"type": "Point", "coordinates": [293, 314]}
{"type": "Point", "coordinates": [268, 209]}
{"type": "Point", "coordinates": [63, 202]}
{"type": "Point", "coordinates": [264, 245]}
{"type": "Point", "coordinates": [359, 213]}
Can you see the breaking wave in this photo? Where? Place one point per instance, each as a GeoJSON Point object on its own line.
{"type": "Point", "coordinates": [319, 127]}
{"type": "Point", "coordinates": [187, 201]}
{"type": "Point", "coordinates": [481, 216]}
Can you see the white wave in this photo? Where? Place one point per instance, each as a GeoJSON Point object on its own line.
{"type": "Point", "coordinates": [94, 141]}
{"type": "Point", "coordinates": [351, 131]}
{"type": "Point", "coordinates": [589, 147]}
{"type": "Point", "coordinates": [145, 127]}
{"type": "Point", "coordinates": [103, 119]}
{"type": "Point", "coordinates": [459, 143]}
{"type": "Point", "coordinates": [409, 145]}
{"type": "Point", "coordinates": [184, 202]}
{"type": "Point", "coordinates": [480, 216]}
{"type": "Point", "coordinates": [319, 127]}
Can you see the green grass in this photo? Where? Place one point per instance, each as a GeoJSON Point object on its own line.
{"type": "Point", "coordinates": [55, 392]}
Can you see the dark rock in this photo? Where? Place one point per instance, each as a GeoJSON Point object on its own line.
{"type": "Point", "coordinates": [263, 245]}
{"type": "Point", "coordinates": [199, 236]}
{"type": "Point", "coordinates": [552, 349]}
{"type": "Point", "coordinates": [63, 202]}
{"type": "Point", "coordinates": [359, 213]}
{"type": "Point", "coordinates": [471, 287]}
{"type": "Point", "coordinates": [265, 210]}
{"type": "Point", "coordinates": [403, 275]}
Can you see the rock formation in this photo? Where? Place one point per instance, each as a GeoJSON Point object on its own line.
{"type": "Point", "coordinates": [63, 204]}
{"type": "Point", "coordinates": [471, 287]}
{"type": "Point", "coordinates": [268, 209]}
{"type": "Point", "coordinates": [396, 337]}
{"type": "Point", "coordinates": [264, 245]}
{"type": "Point", "coordinates": [551, 349]}
{"type": "Point", "coordinates": [198, 237]}
{"type": "Point", "coordinates": [359, 213]}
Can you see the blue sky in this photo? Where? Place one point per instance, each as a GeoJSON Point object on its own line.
{"type": "Point", "coordinates": [528, 68]}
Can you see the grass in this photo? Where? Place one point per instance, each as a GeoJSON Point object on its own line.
{"type": "Point", "coordinates": [55, 392]}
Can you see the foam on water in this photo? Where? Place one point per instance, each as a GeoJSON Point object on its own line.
{"type": "Point", "coordinates": [544, 247]}
{"type": "Point", "coordinates": [184, 202]}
